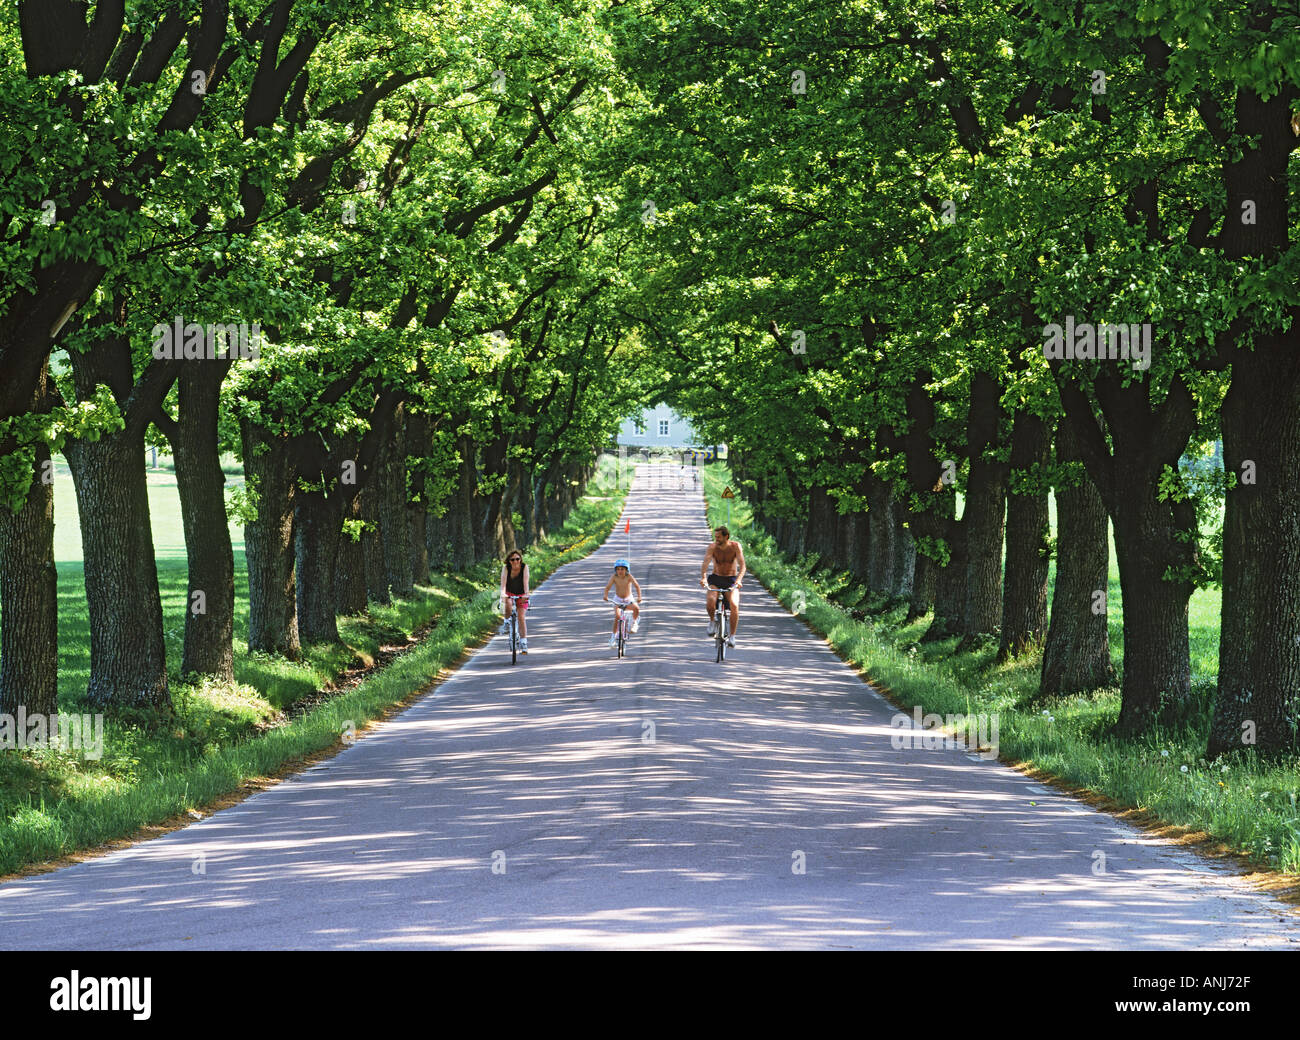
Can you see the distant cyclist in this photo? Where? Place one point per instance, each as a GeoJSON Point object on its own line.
{"type": "Point", "coordinates": [728, 569]}
{"type": "Point", "coordinates": [514, 581]}
{"type": "Point", "coordinates": [623, 583]}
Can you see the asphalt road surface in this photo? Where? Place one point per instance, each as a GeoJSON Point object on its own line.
{"type": "Point", "coordinates": [576, 800]}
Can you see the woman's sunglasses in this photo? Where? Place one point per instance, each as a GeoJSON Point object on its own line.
{"type": "Point", "coordinates": [516, 558]}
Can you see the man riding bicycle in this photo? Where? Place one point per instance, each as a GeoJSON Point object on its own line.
{"type": "Point", "coordinates": [728, 569]}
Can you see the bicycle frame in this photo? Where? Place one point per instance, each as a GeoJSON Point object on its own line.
{"type": "Point", "coordinates": [514, 628]}
{"type": "Point", "coordinates": [722, 616]}
{"type": "Point", "coordinates": [624, 627]}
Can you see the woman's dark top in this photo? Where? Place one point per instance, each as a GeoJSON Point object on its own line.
{"type": "Point", "coordinates": [515, 582]}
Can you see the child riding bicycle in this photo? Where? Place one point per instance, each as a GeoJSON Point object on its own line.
{"type": "Point", "coordinates": [623, 583]}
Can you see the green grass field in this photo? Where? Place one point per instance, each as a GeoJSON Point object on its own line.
{"type": "Point", "coordinates": [1248, 805]}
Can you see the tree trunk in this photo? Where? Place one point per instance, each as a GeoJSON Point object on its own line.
{"type": "Point", "coordinates": [394, 526]}
{"type": "Point", "coordinates": [417, 507]}
{"type": "Point", "coordinates": [1157, 665]}
{"type": "Point", "coordinates": [903, 564]}
{"type": "Point", "coordinates": [1259, 635]}
{"type": "Point", "coordinates": [846, 542]}
{"type": "Point", "coordinates": [1024, 605]}
{"type": "Point", "coordinates": [372, 546]}
{"type": "Point", "coordinates": [880, 535]}
{"type": "Point", "coordinates": [350, 569]}
{"type": "Point", "coordinates": [29, 619]}
{"type": "Point", "coordinates": [269, 543]}
{"type": "Point", "coordinates": [527, 503]}
{"type": "Point", "coordinates": [464, 547]}
{"type": "Point", "coordinates": [195, 441]}
{"type": "Point", "coordinates": [950, 579]}
{"type": "Point", "coordinates": [821, 527]}
{"type": "Point", "coordinates": [1076, 656]}
{"type": "Point", "coordinates": [318, 521]}
{"type": "Point", "coordinates": [984, 515]}
{"type": "Point", "coordinates": [128, 656]}
{"type": "Point", "coordinates": [924, 578]}
{"type": "Point", "coordinates": [438, 536]}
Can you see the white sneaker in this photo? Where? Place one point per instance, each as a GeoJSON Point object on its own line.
{"type": "Point", "coordinates": [731, 640]}
{"type": "Point", "coordinates": [713, 626]}
{"type": "Point", "coordinates": [505, 628]}
{"type": "Point", "coordinates": [613, 639]}
{"type": "Point", "coordinates": [523, 646]}
{"type": "Point", "coordinates": [636, 623]}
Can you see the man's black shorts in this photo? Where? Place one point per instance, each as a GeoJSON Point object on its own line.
{"type": "Point", "coordinates": [722, 581]}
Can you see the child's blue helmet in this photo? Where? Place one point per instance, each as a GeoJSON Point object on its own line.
{"type": "Point", "coordinates": [620, 562]}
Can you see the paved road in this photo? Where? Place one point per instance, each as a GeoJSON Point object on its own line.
{"type": "Point", "coordinates": [602, 838]}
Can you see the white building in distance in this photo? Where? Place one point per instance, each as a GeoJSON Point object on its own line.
{"type": "Point", "coordinates": [657, 427]}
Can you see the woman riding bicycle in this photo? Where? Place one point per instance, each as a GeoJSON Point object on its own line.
{"type": "Point", "coordinates": [514, 582]}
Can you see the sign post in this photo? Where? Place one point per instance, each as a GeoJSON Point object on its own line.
{"type": "Point", "coordinates": [728, 494]}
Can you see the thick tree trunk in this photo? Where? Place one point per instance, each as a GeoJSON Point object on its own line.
{"type": "Point", "coordinates": [350, 569]}
{"type": "Point", "coordinates": [796, 534]}
{"type": "Point", "coordinates": [417, 508]}
{"type": "Point", "coordinates": [128, 656]}
{"type": "Point", "coordinates": [438, 535]}
{"type": "Point", "coordinates": [1157, 664]}
{"type": "Point", "coordinates": [846, 554]}
{"type": "Point", "coordinates": [393, 522]}
{"type": "Point", "coordinates": [1076, 656]}
{"type": "Point", "coordinates": [1152, 538]}
{"type": "Point", "coordinates": [372, 545]}
{"type": "Point", "coordinates": [533, 530]}
{"type": "Point", "coordinates": [924, 575]}
{"type": "Point", "coordinates": [318, 521]}
{"type": "Point", "coordinates": [903, 557]}
{"type": "Point", "coordinates": [949, 580]}
{"type": "Point", "coordinates": [419, 520]}
{"type": "Point", "coordinates": [29, 620]}
{"type": "Point", "coordinates": [495, 466]}
{"type": "Point", "coordinates": [195, 440]}
{"type": "Point", "coordinates": [984, 515]}
{"type": "Point", "coordinates": [465, 550]}
{"type": "Point", "coordinates": [949, 595]}
{"type": "Point", "coordinates": [822, 522]}
{"type": "Point", "coordinates": [1024, 605]}
{"type": "Point", "coordinates": [1259, 636]}
{"type": "Point", "coordinates": [880, 535]}
{"type": "Point", "coordinates": [527, 505]}
{"type": "Point", "coordinates": [269, 544]}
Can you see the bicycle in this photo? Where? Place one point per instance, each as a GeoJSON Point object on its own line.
{"type": "Point", "coordinates": [722, 617]}
{"type": "Point", "coordinates": [513, 622]}
{"type": "Point", "coordinates": [624, 626]}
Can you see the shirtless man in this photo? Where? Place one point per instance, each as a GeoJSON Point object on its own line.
{"type": "Point", "coordinates": [728, 570]}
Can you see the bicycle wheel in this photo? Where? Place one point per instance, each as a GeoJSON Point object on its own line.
{"type": "Point", "coordinates": [514, 639]}
{"type": "Point", "coordinates": [622, 635]}
{"type": "Point", "coordinates": [724, 620]}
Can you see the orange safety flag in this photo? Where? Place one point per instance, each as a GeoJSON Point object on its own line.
{"type": "Point", "coordinates": [627, 527]}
